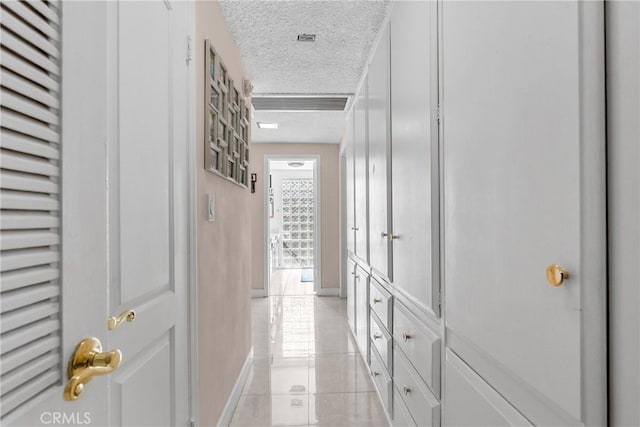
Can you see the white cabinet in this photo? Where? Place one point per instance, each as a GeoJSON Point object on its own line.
{"type": "Point", "coordinates": [360, 147]}
{"type": "Point", "coordinates": [379, 147]}
{"type": "Point", "coordinates": [351, 295]}
{"type": "Point", "coordinates": [349, 187]}
{"type": "Point", "coordinates": [362, 310]}
{"type": "Point", "coordinates": [523, 126]}
{"type": "Point", "coordinates": [415, 153]}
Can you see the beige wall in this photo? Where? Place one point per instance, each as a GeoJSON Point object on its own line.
{"type": "Point", "coordinates": [329, 205]}
{"type": "Point", "coordinates": [224, 246]}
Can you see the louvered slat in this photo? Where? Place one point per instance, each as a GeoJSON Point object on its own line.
{"type": "Point", "coordinates": [29, 390]}
{"type": "Point", "coordinates": [27, 277]}
{"type": "Point", "coordinates": [27, 353]}
{"type": "Point", "coordinates": [14, 379]}
{"type": "Point", "coordinates": [28, 239]}
{"type": "Point", "coordinates": [18, 142]}
{"type": "Point", "coordinates": [25, 163]}
{"type": "Point", "coordinates": [12, 260]}
{"type": "Point", "coordinates": [27, 182]}
{"type": "Point", "coordinates": [25, 220]}
{"type": "Point", "coordinates": [28, 89]}
{"type": "Point", "coordinates": [30, 290]}
{"type": "Point", "coordinates": [28, 33]}
{"type": "Point", "coordinates": [28, 70]}
{"type": "Point", "coordinates": [28, 108]}
{"type": "Point", "coordinates": [27, 201]}
{"type": "Point", "coordinates": [28, 15]}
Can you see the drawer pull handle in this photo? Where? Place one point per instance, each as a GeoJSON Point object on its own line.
{"type": "Point", "coordinates": [376, 300]}
{"type": "Point", "coordinates": [406, 337]}
{"type": "Point", "coordinates": [406, 390]}
{"type": "Point", "coordinates": [377, 336]}
{"type": "Point", "coordinates": [374, 373]}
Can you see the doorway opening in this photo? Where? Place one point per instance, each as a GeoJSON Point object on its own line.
{"type": "Point", "coordinates": [292, 225]}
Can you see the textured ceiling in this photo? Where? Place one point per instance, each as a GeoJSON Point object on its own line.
{"type": "Point", "coordinates": [266, 33]}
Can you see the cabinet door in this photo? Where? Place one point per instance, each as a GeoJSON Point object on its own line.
{"type": "Point", "coordinates": [351, 295]}
{"type": "Point", "coordinates": [362, 310]}
{"type": "Point", "coordinates": [524, 143]}
{"type": "Point", "coordinates": [378, 93]}
{"type": "Point", "coordinates": [415, 153]}
{"type": "Point", "coordinates": [360, 147]}
{"type": "Point", "coordinates": [350, 191]}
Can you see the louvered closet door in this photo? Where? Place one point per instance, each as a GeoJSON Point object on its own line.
{"type": "Point", "coordinates": [31, 323]}
{"type": "Point", "coordinates": [94, 209]}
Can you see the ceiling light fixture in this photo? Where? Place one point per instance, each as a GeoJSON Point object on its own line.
{"type": "Point", "coordinates": [296, 164]}
{"type": "Point", "coordinates": [262, 125]}
{"type": "Point", "coordinates": [306, 37]}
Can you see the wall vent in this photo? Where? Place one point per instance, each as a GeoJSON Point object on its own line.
{"type": "Point", "coordinates": [299, 103]}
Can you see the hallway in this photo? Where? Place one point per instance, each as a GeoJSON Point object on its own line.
{"type": "Point", "coordinates": [306, 368]}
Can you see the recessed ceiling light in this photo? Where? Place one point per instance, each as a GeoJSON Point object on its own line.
{"type": "Point", "coordinates": [306, 37]}
{"type": "Point", "coordinates": [262, 125]}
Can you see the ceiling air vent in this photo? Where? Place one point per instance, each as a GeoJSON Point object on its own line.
{"type": "Point", "coordinates": [299, 103]}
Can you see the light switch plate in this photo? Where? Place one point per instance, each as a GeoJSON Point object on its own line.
{"type": "Point", "coordinates": [211, 215]}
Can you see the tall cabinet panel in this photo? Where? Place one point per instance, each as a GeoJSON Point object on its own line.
{"type": "Point", "coordinates": [349, 186]}
{"type": "Point", "coordinates": [360, 146]}
{"type": "Point", "coordinates": [524, 203]}
{"type": "Point", "coordinates": [415, 153]}
{"type": "Point", "coordinates": [378, 85]}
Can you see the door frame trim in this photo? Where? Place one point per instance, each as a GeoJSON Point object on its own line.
{"type": "Point", "coordinates": [317, 244]}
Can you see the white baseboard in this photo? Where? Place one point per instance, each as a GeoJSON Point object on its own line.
{"type": "Point", "coordinates": [329, 292]}
{"type": "Point", "coordinates": [234, 397]}
{"type": "Point", "coordinates": [258, 293]}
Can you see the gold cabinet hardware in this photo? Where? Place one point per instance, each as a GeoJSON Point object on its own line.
{"type": "Point", "coordinates": [354, 228]}
{"type": "Point", "coordinates": [374, 373]}
{"type": "Point", "coordinates": [556, 275]}
{"type": "Point", "coordinates": [377, 336]}
{"type": "Point", "coordinates": [113, 322]}
{"type": "Point", "coordinates": [88, 361]}
{"type": "Point", "coordinates": [356, 277]}
{"type": "Point", "coordinates": [376, 300]}
{"type": "Point", "coordinates": [383, 234]}
{"type": "Point", "coordinates": [406, 336]}
{"type": "Point", "coordinates": [393, 236]}
{"type": "Point", "coordinates": [406, 390]}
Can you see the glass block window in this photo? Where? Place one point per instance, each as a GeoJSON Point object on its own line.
{"type": "Point", "coordinates": [297, 223]}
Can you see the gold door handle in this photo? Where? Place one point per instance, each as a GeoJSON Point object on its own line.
{"type": "Point", "coordinates": [113, 322]}
{"type": "Point", "coordinates": [406, 336]}
{"type": "Point", "coordinates": [88, 361]}
{"type": "Point", "coordinates": [556, 275]}
{"type": "Point", "coordinates": [393, 236]}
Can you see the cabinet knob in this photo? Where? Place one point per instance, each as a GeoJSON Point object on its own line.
{"type": "Point", "coordinates": [377, 336]}
{"type": "Point", "coordinates": [406, 337]}
{"type": "Point", "coordinates": [556, 275]}
{"type": "Point", "coordinates": [374, 373]}
{"type": "Point", "coordinates": [376, 300]}
{"type": "Point", "coordinates": [354, 228]}
{"type": "Point", "coordinates": [383, 234]}
{"type": "Point", "coordinates": [393, 236]}
{"type": "Point", "coordinates": [406, 390]}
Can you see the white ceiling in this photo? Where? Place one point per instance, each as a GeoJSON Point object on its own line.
{"type": "Point", "coordinates": [266, 33]}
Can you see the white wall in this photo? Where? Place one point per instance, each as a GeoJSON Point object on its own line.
{"type": "Point", "coordinates": [623, 115]}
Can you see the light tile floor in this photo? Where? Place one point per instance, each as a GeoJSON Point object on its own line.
{"type": "Point", "coordinates": [306, 369]}
{"type": "Point", "coordinates": [286, 281]}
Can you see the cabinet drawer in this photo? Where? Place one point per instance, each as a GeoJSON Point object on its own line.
{"type": "Point", "coordinates": [381, 379]}
{"type": "Point", "coordinates": [420, 344]}
{"type": "Point", "coordinates": [422, 405]}
{"type": "Point", "coordinates": [401, 416]}
{"type": "Point", "coordinates": [380, 301]}
{"type": "Point", "coordinates": [381, 340]}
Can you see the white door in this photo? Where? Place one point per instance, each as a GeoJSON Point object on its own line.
{"type": "Point", "coordinates": [379, 147]}
{"type": "Point", "coordinates": [124, 215]}
{"type": "Point", "coordinates": [350, 187]}
{"type": "Point", "coordinates": [523, 117]}
{"type": "Point", "coordinates": [360, 169]}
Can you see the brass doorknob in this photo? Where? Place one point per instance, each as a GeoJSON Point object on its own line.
{"type": "Point", "coordinates": [113, 321]}
{"type": "Point", "coordinates": [556, 275]}
{"type": "Point", "coordinates": [87, 362]}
